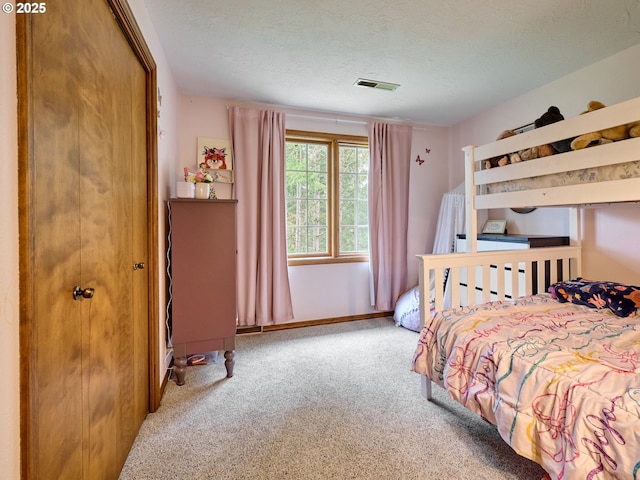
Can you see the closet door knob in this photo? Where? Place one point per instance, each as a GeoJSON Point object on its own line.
{"type": "Point", "coordinates": [138, 266]}
{"type": "Point", "coordinates": [79, 293]}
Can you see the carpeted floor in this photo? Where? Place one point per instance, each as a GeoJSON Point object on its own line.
{"type": "Point", "coordinates": [328, 402]}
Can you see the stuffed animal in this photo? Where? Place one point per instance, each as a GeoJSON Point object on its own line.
{"type": "Point", "coordinates": [534, 152]}
{"type": "Point", "coordinates": [607, 135]}
{"type": "Point", "coordinates": [503, 160]}
{"type": "Point", "coordinates": [553, 115]}
{"type": "Point", "coordinates": [520, 156]}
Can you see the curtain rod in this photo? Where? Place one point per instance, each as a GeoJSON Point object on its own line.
{"type": "Point", "coordinates": [336, 120]}
{"type": "Point", "coordinates": [327, 119]}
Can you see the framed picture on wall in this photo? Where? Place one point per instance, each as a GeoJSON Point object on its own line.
{"type": "Point", "coordinates": [495, 226]}
{"type": "Point", "coordinates": [214, 154]}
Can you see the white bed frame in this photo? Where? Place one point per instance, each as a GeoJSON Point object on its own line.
{"type": "Point", "coordinates": [545, 260]}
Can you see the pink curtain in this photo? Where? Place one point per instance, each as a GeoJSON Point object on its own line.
{"type": "Point", "coordinates": [258, 145]}
{"type": "Point", "coordinates": [390, 157]}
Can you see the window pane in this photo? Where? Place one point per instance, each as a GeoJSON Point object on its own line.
{"type": "Point", "coordinates": [317, 240]}
{"type": "Point", "coordinates": [348, 159]}
{"type": "Point", "coordinates": [362, 240]}
{"type": "Point", "coordinates": [314, 198]}
{"type": "Point", "coordinates": [347, 239]}
{"type": "Point", "coordinates": [296, 240]}
{"type": "Point", "coordinates": [296, 212]}
{"type": "Point", "coordinates": [362, 183]}
{"type": "Point", "coordinates": [296, 157]}
{"type": "Point", "coordinates": [347, 212]}
{"type": "Point", "coordinates": [354, 181]}
{"type": "Point", "coordinates": [317, 213]}
{"type": "Point", "coordinates": [318, 158]}
{"type": "Point", "coordinates": [296, 184]}
{"type": "Point", "coordinates": [306, 192]}
{"type": "Point", "coordinates": [362, 213]}
{"type": "Point", "coordinates": [318, 184]}
{"type": "Point", "coordinates": [348, 186]}
{"type": "Point", "coordinates": [363, 160]}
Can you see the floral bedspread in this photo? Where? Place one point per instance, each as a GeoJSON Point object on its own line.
{"type": "Point", "coordinates": [560, 381]}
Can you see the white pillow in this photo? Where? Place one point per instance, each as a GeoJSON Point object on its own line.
{"type": "Point", "coordinates": [407, 312]}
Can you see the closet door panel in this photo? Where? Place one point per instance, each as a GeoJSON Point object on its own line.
{"type": "Point", "coordinates": [53, 236]}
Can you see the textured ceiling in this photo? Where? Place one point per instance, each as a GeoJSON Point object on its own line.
{"type": "Point", "coordinates": [452, 58]}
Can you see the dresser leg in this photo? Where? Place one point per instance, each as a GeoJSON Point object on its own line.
{"type": "Point", "coordinates": [229, 362]}
{"type": "Point", "coordinates": [180, 368]}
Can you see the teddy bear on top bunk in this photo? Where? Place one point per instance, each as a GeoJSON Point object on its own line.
{"type": "Point", "coordinates": [608, 135]}
{"type": "Point", "coordinates": [552, 115]}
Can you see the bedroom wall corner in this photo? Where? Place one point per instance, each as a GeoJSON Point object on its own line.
{"type": "Point", "coordinates": [427, 184]}
{"type": "Point", "coordinates": [167, 147]}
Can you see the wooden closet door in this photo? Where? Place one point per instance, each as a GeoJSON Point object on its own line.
{"type": "Point", "coordinates": [87, 226]}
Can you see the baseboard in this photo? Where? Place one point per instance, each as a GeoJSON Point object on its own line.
{"type": "Point", "coordinates": [310, 323]}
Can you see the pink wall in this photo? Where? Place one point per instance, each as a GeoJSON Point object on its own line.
{"type": "Point", "coordinates": [198, 117]}
{"type": "Point", "coordinates": [610, 249]}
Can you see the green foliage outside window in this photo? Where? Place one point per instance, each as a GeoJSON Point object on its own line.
{"type": "Point", "coordinates": [326, 197]}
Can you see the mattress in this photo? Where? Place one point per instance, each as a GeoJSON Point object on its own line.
{"type": "Point", "coordinates": [619, 171]}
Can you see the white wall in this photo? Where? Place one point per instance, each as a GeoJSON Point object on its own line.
{"type": "Point", "coordinates": [9, 294]}
{"type": "Point", "coordinates": [608, 231]}
{"type": "Point", "coordinates": [329, 291]}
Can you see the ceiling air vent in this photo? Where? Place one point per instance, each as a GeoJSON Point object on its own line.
{"type": "Point", "coordinates": [389, 87]}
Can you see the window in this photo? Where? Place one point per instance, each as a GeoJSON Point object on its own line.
{"type": "Point", "coordinates": [326, 194]}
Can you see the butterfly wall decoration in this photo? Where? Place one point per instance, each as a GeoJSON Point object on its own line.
{"type": "Point", "coordinates": [419, 160]}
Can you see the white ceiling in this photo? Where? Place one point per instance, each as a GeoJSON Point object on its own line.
{"type": "Point", "coordinates": [452, 58]}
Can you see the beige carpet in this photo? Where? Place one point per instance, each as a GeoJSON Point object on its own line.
{"type": "Point", "coordinates": [327, 402]}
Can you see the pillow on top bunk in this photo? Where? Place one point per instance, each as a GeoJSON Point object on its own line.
{"type": "Point", "coordinates": [621, 299]}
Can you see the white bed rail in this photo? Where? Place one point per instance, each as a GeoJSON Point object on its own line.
{"type": "Point", "coordinates": [611, 116]}
{"type": "Point", "coordinates": [486, 276]}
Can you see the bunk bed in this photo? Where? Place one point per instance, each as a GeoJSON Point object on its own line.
{"type": "Point", "coordinates": [560, 380]}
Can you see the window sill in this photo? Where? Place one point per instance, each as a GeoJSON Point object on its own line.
{"type": "Point", "coordinates": [293, 262]}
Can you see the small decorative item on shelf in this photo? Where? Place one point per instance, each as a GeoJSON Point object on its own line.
{"type": "Point", "coordinates": [202, 191]}
{"type": "Point", "coordinates": [185, 190]}
{"type": "Point", "coordinates": [202, 180]}
{"type": "Point", "coordinates": [222, 176]}
{"type": "Point", "coordinates": [495, 226]}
